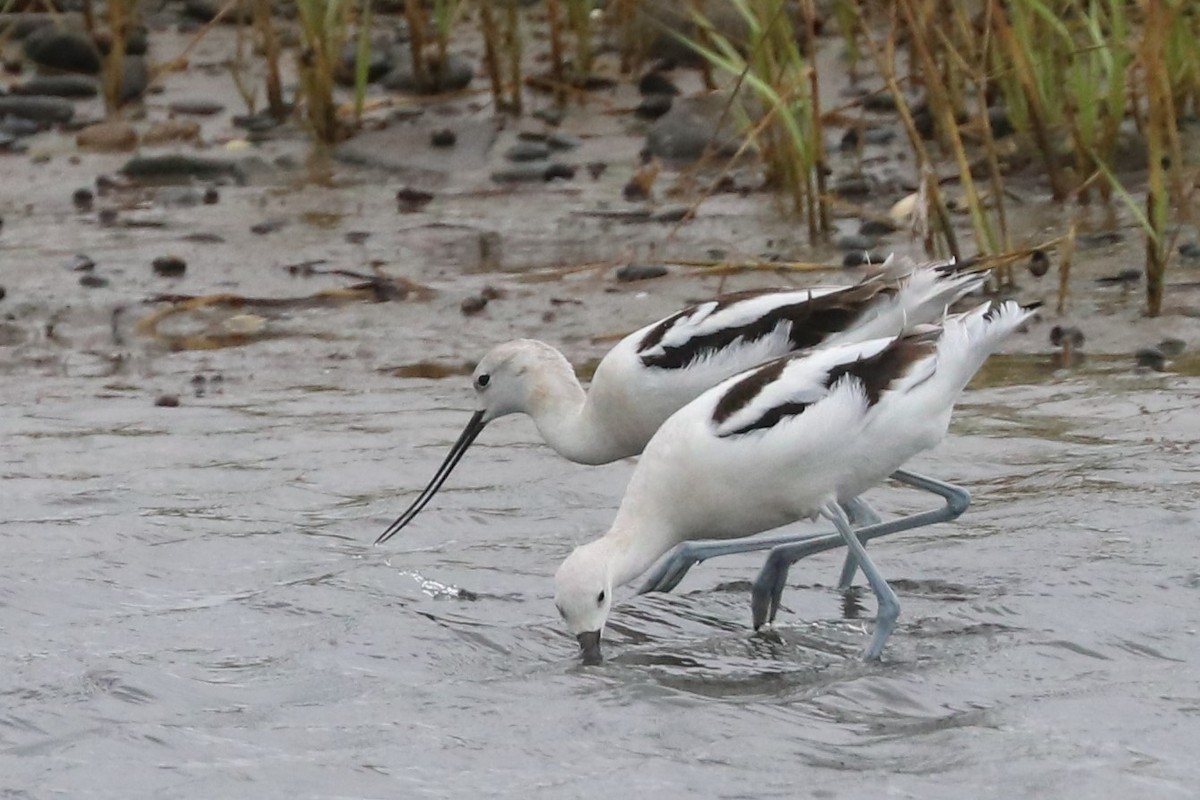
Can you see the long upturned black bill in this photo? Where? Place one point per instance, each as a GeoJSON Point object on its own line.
{"type": "Point", "coordinates": [455, 455]}
{"type": "Point", "coordinates": [589, 647]}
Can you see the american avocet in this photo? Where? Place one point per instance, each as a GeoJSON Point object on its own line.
{"type": "Point", "coordinates": [655, 371]}
{"type": "Point", "coordinates": [788, 440]}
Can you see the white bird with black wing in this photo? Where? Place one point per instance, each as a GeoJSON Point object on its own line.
{"type": "Point", "coordinates": [785, 441]}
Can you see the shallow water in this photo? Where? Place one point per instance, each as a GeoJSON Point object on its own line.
{"type": "Point", "coordinates": [191, 608]}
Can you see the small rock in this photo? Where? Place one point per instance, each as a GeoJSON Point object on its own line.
{"type": "Point", "coordinates": [860, 257]}
{"type": "Point", "coordinates": [854, 184]}
{"type": "Point", "coordinates": [693, 127]}
{"type": "Point", "coordinates": [551, 115]}
{"type": "Point", "coordinates": [211, 196]}
{"type": "Point", "coordinates": [1190, 250]}
{"type": "Point", "coordinates": [531, 172]}
{"type": "Point", "coordinates": [196, 108]}
{"type": "Point", "coordinates": [882, 102]}
{"type": "Point", "coordinates": [167, 401]}
{"type": "Point", "coordinates": [135, 78]}
{"type": "Point", "coordinates": [876, 227]}
{"type": "Point", "coordinates": [169, 266]}
{"type": "Point", "coordinates": [107, 217]}
{"type": "Point", "coordinates": [69, 51]}
{"type": "Point", "coordinates": [596, 169]}
{"type": "Point", "coordinates": [1172, 347]}
{"type": "Point", "coordinates": [410, 200]}
{"type": "Point", "coordinates": [528, 151]}
{"type": "Point", "coordinates": [92, 281]}
{"type": "Point", "coordinates": [1039, 263]}
{"type": "Point", "coordinates": [492, 293]}
{"type": "Point", "coordinates": [452, 76]}
{"type": "Point", "coordinates": [443, 137]}
{"type": "Point", "coordinates": [108, 137]}
{"type": "Point", "coordinates": [178, 167]}
{"type": "Point", "coordinates": [1151, 358]}
{"type": "Point", "coordinates": [656, 83]}
{"type": "Point", "coordinates": [81, 263]}
{"type": "Point", "coordinates": [473, 305]}
{"type": "Point", "coordinates": [380, 61]}
{"type": "Point", "coordinates": [558, 171]}
{"type": "Point", "coordinates": [46, 110]}
{"type": "Point", "coordinates": [3, 293]}
{"type": "Point", "coordinates": [268, 226]}
{"type": "Point", "coordinates": [653, 106]}
{"type": "Point", "coordinates": [640, 272]}
{"type": "Point", "coordinates": [357, 237]}
{"type": "Point", "coordinates": [171, 130]}
{"type": "Point", "coordinates": [854, 241]}
{"type": "Point", "coordinates": [83, 198]}
{"type": "Point", "coordinates": [72, 86]}
{"type": "Point", "coordinates": [1125, 277]}
{"type": "Point", "coordinates": [561, 140]}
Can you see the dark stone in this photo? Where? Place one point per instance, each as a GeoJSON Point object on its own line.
{"type": "Point", "coordinates": [92, 281]}
{"type": "Point", "coordinates": [83, 199]}
{"type": "Point", "coordinates": [653, 106]}
{"type": "Point", "coordinates": [107, 217]}
{"type": "Point", "coordinates": [410, 200]}
{"type": "Point", "coordinates": [169, 266]}
{"type": "Point", "coordinates": [135, 77]}
{"type": "Point", "coordinates": [530, 172]}
{"type": "Point", "coordinates": [81, 263]}
{"type": "Point", "coordinates": [596, 169]}
{"type": "Point", "coordinates": [74, 86]}
{"type": "Point", "coordinates": [380, 61]}
{"type": "Point", "coordinates": [551, 115]}
{"type": "Point", "coordinates": [70, 51]}
{"type": "Point", "coordinates": [1000, 123]}
{"type": "Point", "coordinates": [20, 24]}
{"type": "Point", "coordinates": [1189, 250]}
{"type": "Point", "coordinates": [211, 196]}
{"type": "Point", "coordinates": [561, 140]}
{"type": "Point", "coordinates": [19, 127]}
{"type": "Point", "coordinates": [559, 171]}
{"type": "Point", "coordinates": [1151, 358]}
{"type": "Point", "coordinates": [443, 137]}
{"type": "Point", "coordinates": [853, 241]}
{"type": "Point", "coordinates": [1125, 277]}
{"type": "Point", "coordinates": [656, 83]}
{"type": "Point", "coordinates": [693, 126]}
{"type": "Point", "coordinates": [269, 226]}
{"type": "Point", "coordinates": [640, 272]}
{"type": "Point", "coordinates": [196, 108]}
{"type": "Point", "coordinates": [1039, 263]}
{"type": "Point", "coordinates": [3, 293]}
{"type": "Point", "coordinates": [38, 109]}
{"type": "Point", "coordinates": [528, 151]}
{"type": "Point", "coordinates": [882, 102]}
{"type": "Point", "coordinates": [167, 401]}
{"type": "Point", "coordinates": [860, 257]}
{"type": "Point", "coordinates": [853, 185]}
{"type": "Point", "coordinates": [176, 167]}
{"type": "Point", "coordinates": [452, 76]}
{"type": "Point", "coordinates": [876, 227]}
{"type": "Point", "coordinates": [357, 237]}
{"type": "Point", "coordinates": [473, 305]}
{"type": "Point", "coordinates": [1172, 347]}
{"type": "Point", "coordinates": [261, 122]}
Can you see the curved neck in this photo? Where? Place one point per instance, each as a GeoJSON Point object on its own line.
{"type": "Point", "coordinates": [559, 408]}
{"type": "Point", "coordinates": [633, 548]}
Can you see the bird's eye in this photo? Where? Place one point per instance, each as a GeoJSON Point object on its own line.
{"type": "Point", "coordinates": [483, 380]}
{"type": "Point", "coordinates": [600, 598]}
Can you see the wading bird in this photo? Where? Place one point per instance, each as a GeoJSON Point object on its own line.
{"type": "Point", "coordinates": [788, 440]}
{"type": "Point", "coordinates": [658, 369]}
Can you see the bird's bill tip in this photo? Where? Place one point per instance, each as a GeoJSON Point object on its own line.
{"type": "Point", "coordinates": [589, 647]}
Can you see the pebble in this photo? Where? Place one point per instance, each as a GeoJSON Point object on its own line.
{"type": "Point", "coordinates": [473, 305]}
{"type": "Point", "coordinates": [196, 108]}
{"type": "Point", "coordinates": [1150, 358]}
{"type": "Point", "coordinates": [177, 166]}
{"type": "Point", "coordinates": [83, 198]}
{"type": "Point", "coordinates": [551, 115]}
{"type": "Point", "coordinates": [171, 130]}
{"type": "Point", "coordinates": [561, 140]}
{"type": "Point", "coordinates": [876, 227]}
{"type": "Point", "coordinates": [135, 78]}
{"type": "Point", "coordinates": [653, 106]}
{"type": "Point", "coordinates": [71, 86]}
{"type": "Point", "coordinates": [656, 83]}
{"type": "Point", "coordinates": [357, 237]}
{"type": "Point", "coordinates": [410, 200]}
{"type": "Point", "coordinates": [860, 257]}
{"type": "Point", "coordinates": [1189, 250]}
{"type": "Point", "coordinates": [443, 137]}
{"type": "Point", "coordinates": [526, 150]}
{"type": "Point", "coordinates": [1123, 278]}
{"type": "Point", "coordinates": [211, 196]}
{"type": "Point", "coordinates": [1039, 263]}
{"type": "Point", "coordinates": [854, 241]}
{"type": "Point", "coordinates": [107, 217]}
{"type": "Point", "coordinates": [556, 170]}
{"type": "Point", "coordinates": [92, 281]}
{"type": "Point", "coordinates": [81, 263]}
{"type": "Point", "coordinates": [113, 136]}
{"type": "Point", "coordinates": [1172, 347]}
{"type": "Point", "coordinates": [37, 109]}
{"type": "Point", "coordinates": [530, 172]}
{"type": "Point", "coordinates": [452, 76]}
{"type": "Point", "coordinates": [167, 401]}
{"type": "Point", "coordinates": [169, 266]}
{"type": "Point", "coordinates": [596, 169]}
{"type": "Point", "coordinates": [70, 51]}
{"type": "Point", "coordinates": [268, 226]}
{"type": "Point", "coordinates": [3, 292]}
{"type": "Point", "coordinates": [640, 272]}
{"type": "Point", "coordinates": [854, 184]}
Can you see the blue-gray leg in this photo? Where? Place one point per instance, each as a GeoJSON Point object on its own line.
{"type": "Point", "coordinates": [889, 606]}
{"type": "Point", "coordinates": [768, 586]}
{"type": "Point", "coordinates": [861, 515]}
{"type": "Point", "coordinates": [669, 571]}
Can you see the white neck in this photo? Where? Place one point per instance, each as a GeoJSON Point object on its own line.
{"type": "Point", "coordinates": [559, 408]}
{"type": "Point", "coordinates": [631, 549]}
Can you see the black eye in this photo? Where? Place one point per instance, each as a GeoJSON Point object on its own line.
{"type": "Point", "coordinates": [483, 380]}
{"type": "Point", "coordinates": [600, 598]}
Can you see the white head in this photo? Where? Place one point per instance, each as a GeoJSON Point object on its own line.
{"type": "Point", "coordinates": [516, 376]}
{"type": "Point", "coordinates": [583, 593]}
